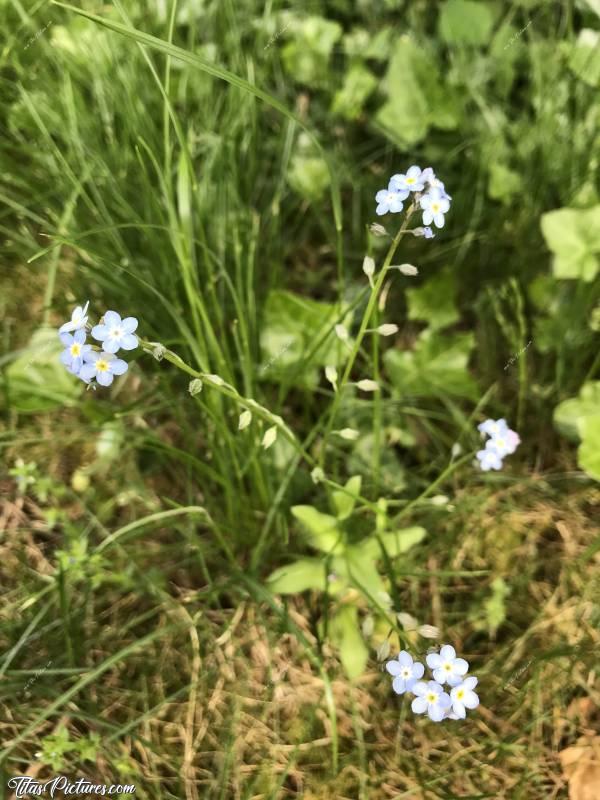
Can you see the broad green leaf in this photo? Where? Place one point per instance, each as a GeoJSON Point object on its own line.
{"type": "Point", "coordinates": [307, 573]}
{"type": "Point", "coordinates": [322, 529]}
{"type": "Point", "coordinates": [292, 327]}
{"type": "Point", "coordinates": [434, 301]}
{"type": "Point", "coordinates": [394, 542]}
{"type": "Point", "coordinates": [344, 502]}
{"type": "Point", "coordinates": [437, 365]}
{"type": "Point", "coordinates": [588, 453]}
{"type": "Point", "coordinates": [306, 57]}
{"type": "Point", "coordinates": [36, 380]}
{"type": "Point", "coordinates": [465, 22]}
{"type": "Point", "coordinates": [392, 471]}
{"type": "Point", "coordinates": [416, 96]}
{"type": "Point", "coordinates": [345, 633]}
{"type": "Point", "coordinates": [363, 574]}
{"type": "Point", "coordinates": [359, 83]}
{"type": "Point", "coordinates": [570, 415]}
{"type": "Point", "coordinates": [585, 57]}
{"type": "Point", "coordinates": [573, 235]}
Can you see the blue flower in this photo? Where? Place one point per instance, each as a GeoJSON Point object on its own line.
{"type": "Point", "coordinates": [428, 176]}
{"type": "Point", "coordinates": [430, 698]}
{"type": "Point", "coordinates": [493, 427]}
{"type": "Point", "coordinates": [447, 668]}
{"type": "Point", "coordinates": [434, 206]}
{"type": "Point", "coordinates": [78, 320]}
{"type": "Point", "coordinates": [405, 672]}
{"type": "Point", "coordinates": [116, 333]}
{"type": "Point", "coordinates": [504, 443]}
{"type": "Point", "coordinates": [388, 201]}
{"type": "Point", "coordinates": [72, 357]}
{"type": "Point", "coordinates": [428, 233]}
{"type": "Point", "coordinates": [102, 366]}
{"type": "Point", "coordinates": [489, 458]}
{"type": "Point", "coordinates": [463, 697]}
{"type": "Point", "coordinates": [411, 181]}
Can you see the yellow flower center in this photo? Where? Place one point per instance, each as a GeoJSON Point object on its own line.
{"type": "Point", "coordinates": [460, 694]}
{"type": "Point", "coordinates": [435, 207]}
{"type": "Point", "coordinates": [101, 365]}
{"type": "Point", "coordinates": [431, 697]}
{"type": "Point", "coordinates": [448, 667]}
{"type": "Point", "coordinates": [75, 349]}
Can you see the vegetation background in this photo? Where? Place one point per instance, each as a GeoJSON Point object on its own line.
{"type": "Point", "coordinates": [210, 166]}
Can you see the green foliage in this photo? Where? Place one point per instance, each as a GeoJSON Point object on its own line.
{"type": "Point", "coordinates": [584, 58]}
{"type": "Point", "coordinates": [579, 419]}
{"type": "Point", "coordinates": [344, 501]}
{"type": "Point", "coordinates": [573, 235]}
{"type": "Point", "coordinates": [292, 325]}
{"type": "Point", "coordinates": [346, 635]}
{"type": "Point", "coordinates": [570, 415]}
{"type": "Point", "coordinates": [348, 566]}
{"type": "Point", "coordinates": [36, 381]}
{"type": "Point", "coordinates": [306, 57]}
{"type": "Point", "coordinates": [306, 573]}
{"type": "Point", "coordinates": [493, 610]}
{"type": "Point", "coordinates": [59, 747]}
{"type": "Point", "coordinates": [435, 302]}
{"type": "Point", "coordinates": [588, 453]}
{"type": "Point", "coordinates": [465, 22]}
{"type": "Point", "coordinates": [415, 98]}
{"type": "Point", "coordinates": [437, 363]}
{"type": "Point", "coordinates": [322, 529]}
{"type": "Point", "coordinates": [359, 83]}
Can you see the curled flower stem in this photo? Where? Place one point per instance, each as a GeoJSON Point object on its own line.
{"type": "Point", "coordinates": [363, 329]}
{"type": "Point", "coordinates": [230, 391]}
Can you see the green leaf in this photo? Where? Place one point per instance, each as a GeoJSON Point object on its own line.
{"type": "Point", "coordinates": [588, 453]}
{"type": "Point", "coordinates": [306, 57]}
{"type": "Point", "coordinates": [434, 301]}
{"type": "Point", "coordinates": [37, 381]}
{"type": "Point", "coordinates": [573, 235]}
{"type": "Point", "coordinates": [571, 414]}
{"type": "Point", "coordinates": [343, 502]}
{"type": "Point", "coordinates": [437, 365]}
{"type": "Point", "coordinates": [359, 83]}
{"type": "Point", "coordinates": [394, 542]}
{"type": "Point", "coordinates": [363, 574]}
{"type": "Point", "coordinates": [465, 22]}
{"type": "Point", "coordinates": [585, 57]}
{"type": "Point", "coordinates": [322, 529]}
{"type": "Point", "coordinates": [306, 573]}
{"type": "Point", "coordinates": [291, 327]}
{"type": "Point", "coordinates": [416, 96]}
{"type": "Point", "coordinates": [345, 634]}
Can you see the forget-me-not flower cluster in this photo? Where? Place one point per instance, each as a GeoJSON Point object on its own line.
{"type": "Point", "coordinates": [431, 697]}
{"type": "Point", "coordinates": [502, 442]}
{"type": "Point", "coordinates": [97, 362]}
{"type": "Point", "coordinates": [429, 194]}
